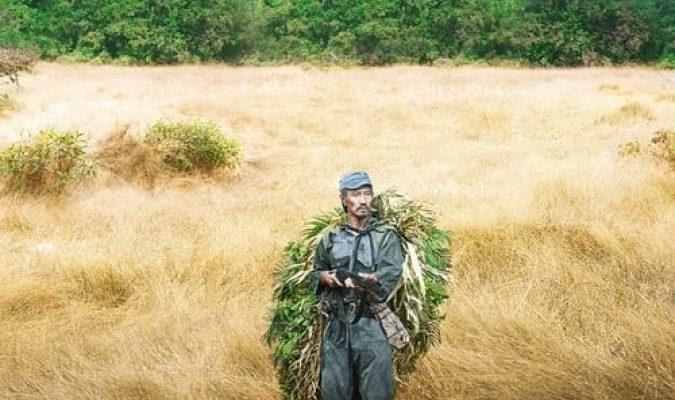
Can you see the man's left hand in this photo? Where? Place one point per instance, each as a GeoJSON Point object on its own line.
{"type": "Point", "coordinates": [368, 277]}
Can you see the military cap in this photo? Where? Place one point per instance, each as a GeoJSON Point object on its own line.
{"type": "Point", "coordinates": [354, 180]}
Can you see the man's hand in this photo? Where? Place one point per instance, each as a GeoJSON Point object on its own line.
{"type": "Point", "coordinates": [349, 283]}
{"type": "Point", "coordinates": [341, 278]}
{"type": "Point", "coordinates": [368, 277]}
{"type": "Point", "coordinates": [328, 278]}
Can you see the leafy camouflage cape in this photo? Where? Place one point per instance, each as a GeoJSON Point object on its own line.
{"type": "Point", "coordinates": [296, 325]}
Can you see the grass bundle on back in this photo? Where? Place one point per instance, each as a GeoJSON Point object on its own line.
{"type": "Point", "coordinates": [47, 162]}
{"type": "Point", "coordinates": [296, 325]}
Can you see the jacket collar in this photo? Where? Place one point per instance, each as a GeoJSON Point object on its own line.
{"type": "Point", "coordinates": [371, 224]}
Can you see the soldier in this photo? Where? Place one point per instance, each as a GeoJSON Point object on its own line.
{"type": "Point", "coordinates": [355, 354]}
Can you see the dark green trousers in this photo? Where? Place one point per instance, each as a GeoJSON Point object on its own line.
{"type": "Point", "coordinates": [356, 361]}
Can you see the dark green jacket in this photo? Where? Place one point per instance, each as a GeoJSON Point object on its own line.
{"type": "Point", "coordinates": [378, 252]}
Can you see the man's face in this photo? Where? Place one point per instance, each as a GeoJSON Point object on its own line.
{"type": "Point", "coordinates": [358, 201]}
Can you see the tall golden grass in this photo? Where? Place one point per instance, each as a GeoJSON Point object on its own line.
{"type": "Point", "coordinates": [564, 251]}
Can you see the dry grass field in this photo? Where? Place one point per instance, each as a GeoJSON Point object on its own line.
{"type": "Point", "coordinates": [564, 250]}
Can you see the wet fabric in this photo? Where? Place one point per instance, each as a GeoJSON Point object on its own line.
{"type": "Point", "coordinates": [355, 354]}
{"type": "Point", "coordinates": [356, 360]}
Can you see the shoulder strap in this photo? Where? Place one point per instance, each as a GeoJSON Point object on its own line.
{"type": "Point", "coordinates": [325, 239]}
{"type": "Point", "coordinates": [383, 231]}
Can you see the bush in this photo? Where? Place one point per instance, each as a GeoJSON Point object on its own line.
{"type": "Point", "coordinates": [545, 32]}
{"type": "Point", "coordinates": [47, 162]}
{"type": "Point", "coordinates": [192, 147]}
{"type": "Point", "coordinates": [13, 62]}
{"type": "Point", "coordinates": [145, 31]}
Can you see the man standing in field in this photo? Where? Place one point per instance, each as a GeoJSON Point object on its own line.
{"type": "Point", "coordinates": [355, 353]}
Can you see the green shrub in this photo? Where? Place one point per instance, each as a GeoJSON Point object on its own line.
{"type": "Point", "coordinates": [47, 162]}
{"type": "Point", "coordinates": [193, 146]}
{"type": "Point", "coordinates": [145, 31]}
{"type": "Point", "coordinates": [544, 32]}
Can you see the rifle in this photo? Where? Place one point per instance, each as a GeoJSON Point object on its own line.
{"type": "Point", "coordinates": [369, 286]}
{"type": "Point", "coordinates": [396, 333]}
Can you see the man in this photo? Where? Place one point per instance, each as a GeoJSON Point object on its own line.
{"type": "Point", "coordinates": [355, 353]}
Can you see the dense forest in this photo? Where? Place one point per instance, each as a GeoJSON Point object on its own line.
{"type": "Point", "coordinates": [539, 32]}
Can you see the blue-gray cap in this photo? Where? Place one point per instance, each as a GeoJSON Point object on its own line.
{"type": "Point", "coordinates": [354, 180]}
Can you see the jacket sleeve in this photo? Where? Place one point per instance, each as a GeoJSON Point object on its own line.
{"type": "Point", "coordinates": [321, 262]}
{"type": "Point", "coordinates": [390, 265]}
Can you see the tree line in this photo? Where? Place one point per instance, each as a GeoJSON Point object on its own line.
{"type": "Point", "coordinates": [372, 32]}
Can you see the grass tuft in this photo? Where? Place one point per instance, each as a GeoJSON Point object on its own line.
{"type": "Point", "coordinates": [6, 104]}
{"type": "Point", "coordinates": [609, 87]}
{"type": "Point", "coordinates": [633, 111]}
{"type": "Point", "coordinates": [168, 149]}
{"type": "Point", "coordinates": [666, 97]}
{"type": "Point", "coordinates": [102, 287]}
{"type": "Point", "coordinates": [46, 163]}
{"type": "Point", "coordinates": [663, 146]}
{"type": "Point", "coordinates": [127, 156]}
{"type": "Point", "coordinates": [193, 146]}
{"type": "Point", "coordinates": [630, 149]}
{"type": "Point", "coordinates": [33, 300]}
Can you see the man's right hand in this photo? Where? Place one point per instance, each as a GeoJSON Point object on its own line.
{"type": "Point", "coordinates": [328, 278]}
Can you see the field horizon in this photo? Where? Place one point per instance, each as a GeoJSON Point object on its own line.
{"type": "Point", "coordinates": [563, 245]}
